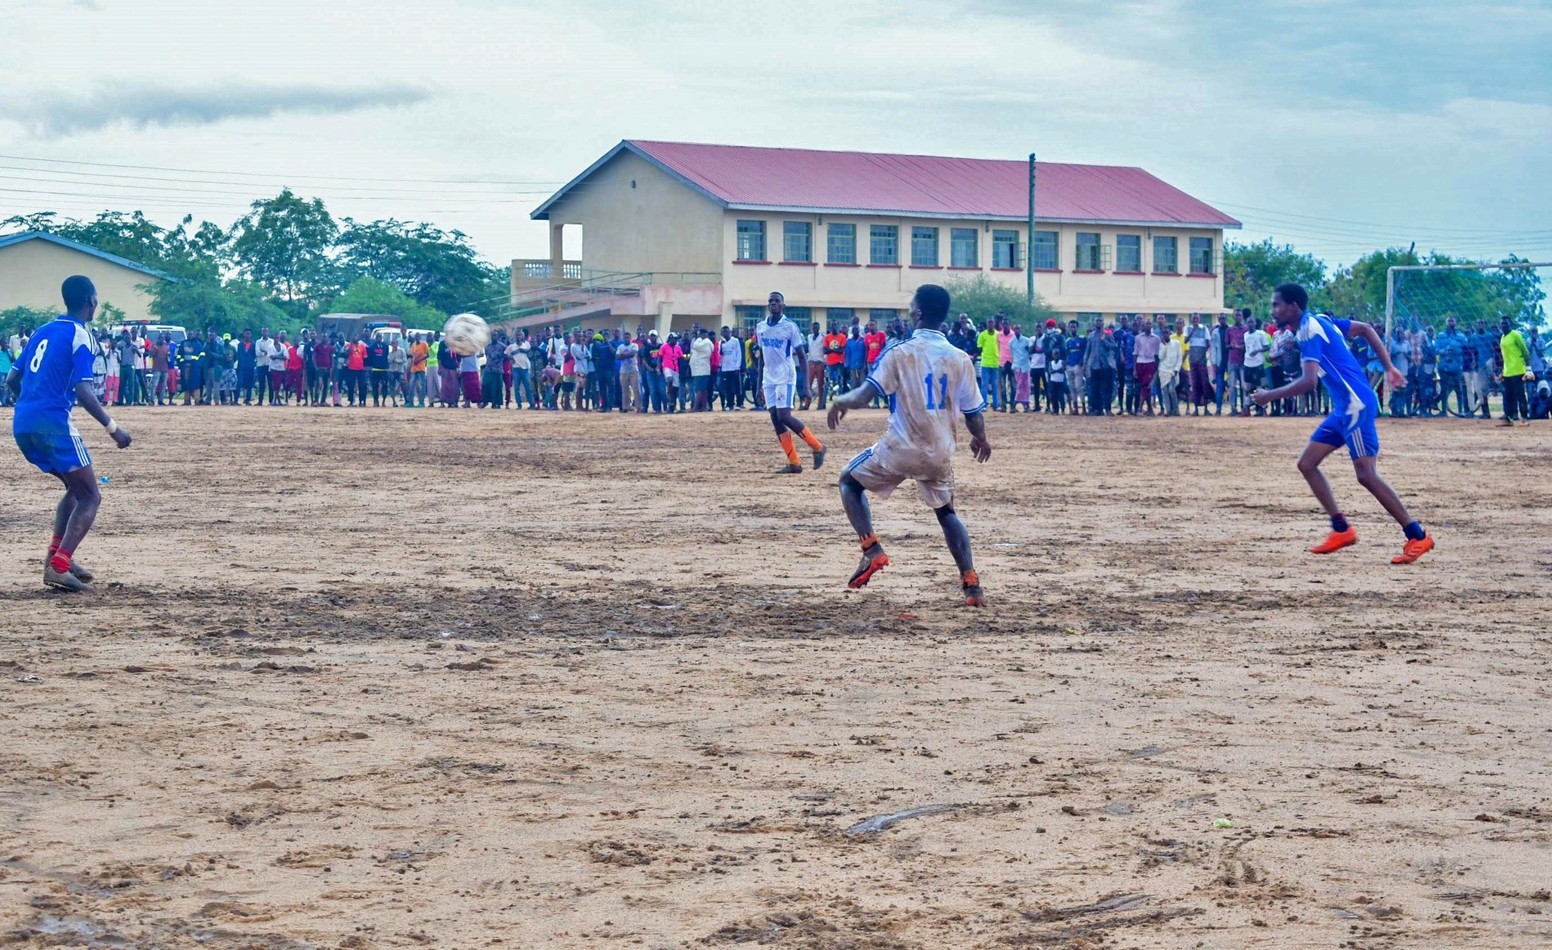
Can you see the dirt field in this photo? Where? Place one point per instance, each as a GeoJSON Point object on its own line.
{"type": "Point", "coordinates": [613, 692]}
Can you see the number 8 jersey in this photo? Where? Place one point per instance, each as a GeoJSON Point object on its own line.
{"type": "Point", "coordinates": [58, 356]}
{"type": "Point", "coordinates": [928, 382]}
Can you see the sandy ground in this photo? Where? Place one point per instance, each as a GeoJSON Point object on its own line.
{"type": "Point", "coordinates": [394, 678]}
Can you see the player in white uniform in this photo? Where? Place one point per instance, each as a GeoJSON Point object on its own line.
{"type": "Point", "coordinates": [781, 345]}
{"type": "Point", "coordinates": [927, 381]}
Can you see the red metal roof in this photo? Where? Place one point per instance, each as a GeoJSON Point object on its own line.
{"type": "Point", "coordinates": [807, 179]}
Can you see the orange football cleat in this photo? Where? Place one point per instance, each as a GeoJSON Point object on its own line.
{"type": "Point", "coordinates": [1413, 550]}
{"type": "Point", "coordinates": [971, 582]}
{"type": "Point", "coordinates": [1336, 541]}
{"type": "Point", "coordinates": [873, 560]}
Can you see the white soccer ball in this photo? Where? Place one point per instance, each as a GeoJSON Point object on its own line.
{"type": "Point", "coordinates": [466, 334]}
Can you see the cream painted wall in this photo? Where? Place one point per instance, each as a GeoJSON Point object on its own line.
{"type": "Point", "coordinates": [31, 272]}
{"type": "Point", "coordinates": [660, 224]}
{"type": "Point", "coordinates": [861, 286]}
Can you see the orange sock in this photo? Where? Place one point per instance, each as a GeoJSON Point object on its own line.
{"type": "Point", "coordinates": [812, 440]}
{"type": "Point", "coordinates": [786, 446]}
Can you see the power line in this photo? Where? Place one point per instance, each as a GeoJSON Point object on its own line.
{"type": "Point", "coordinates": [62, 176]}
{"type": "Point", "coordinates": [233, 174]}
{"type": "Point", "coordinates": [1271, 212]}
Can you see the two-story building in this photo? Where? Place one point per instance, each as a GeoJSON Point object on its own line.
{"type": "Point", "coordinates": [675, 233]}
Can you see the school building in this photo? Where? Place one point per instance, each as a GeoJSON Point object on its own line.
{"type": "Point", "coordinates": [34, 263]}
{"type": "Point", "coordinates": [675, 233]}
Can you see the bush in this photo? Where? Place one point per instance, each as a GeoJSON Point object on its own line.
{"type": "Point", "coordinates": [983, 298]}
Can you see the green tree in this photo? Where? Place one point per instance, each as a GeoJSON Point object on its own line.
{"type": "Point", "coordinates": [370, 295]}
{"type": "Point", "coordinates": [1359, 291]}
{"type": "Point", "coordinates": [435, 267]}
{"type": "Point", "coordinates": [14, 318]}
{"type": "Point", "coordinates": [202, 303]}
{"type": "Point", "coordinates": [983, 298]}
{"type": "Point", "coordinates": [1252, 271]}
{"type": "Point", "coordinates": [284, 245]}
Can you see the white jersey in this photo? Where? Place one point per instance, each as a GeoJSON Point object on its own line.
{"type": "Point", "coordinates": [928, 382]}
{"type": "Point", "coordinates": [777, 344]}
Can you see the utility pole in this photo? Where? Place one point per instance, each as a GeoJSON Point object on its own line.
{"type": "Point", "coordinates": [1029, 249]}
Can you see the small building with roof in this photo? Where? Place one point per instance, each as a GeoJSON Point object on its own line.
{"type": "Point", "coordinates": [34, 263]}
{"type": "Point", "coordinates": [676, 233]}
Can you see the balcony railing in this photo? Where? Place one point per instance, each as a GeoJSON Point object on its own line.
{"type": "Point", "coordinates": [544, 271]}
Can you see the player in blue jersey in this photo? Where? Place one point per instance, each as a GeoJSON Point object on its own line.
{"type": "Point", "coordinates": [53, 373]}
{"type": "Point", "coordinates": [1354, 408]}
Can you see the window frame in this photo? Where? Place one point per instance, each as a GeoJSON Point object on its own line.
{"type": "Point", "coordinates": [956, 241]}
{"type": "Point", "coordinates": [884, 232]}
{"type": "Point", "coordinates": [1191, 252]}
{"type": "Point", "coordinates": [921, 235]}
{"type": "Point", "coordinates": [1174, 253]}
{"type": "Point", "coordinates": [832, 233]}
{"type": "Point", "coordinates": [805, 231]}
{"type": "Point", "coordinates": [1127, 270]}
{"type": "Point", "coordinates": [1088, 255]}
{"type": "Point", "coordinates": [999, 241]}
{"type": "Point", "coordinates": [741, 244]}
{"type": "Point", "coordinates": [1055, 244]}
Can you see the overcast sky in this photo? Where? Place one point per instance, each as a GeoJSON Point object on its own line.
{"type": "Point", "coordinates": [1335, 126]}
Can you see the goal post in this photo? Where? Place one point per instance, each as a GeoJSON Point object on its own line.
{"type": "Point", "coordinates": [1425, 294]}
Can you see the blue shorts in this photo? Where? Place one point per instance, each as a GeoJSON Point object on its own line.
{"type": "Point", "coordinates": [1356, 432]}
{"type": "Point", "coordinates": [56, 453]}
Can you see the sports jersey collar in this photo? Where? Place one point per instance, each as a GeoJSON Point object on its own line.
{"type": "Point", "coordinates": [929, 333]}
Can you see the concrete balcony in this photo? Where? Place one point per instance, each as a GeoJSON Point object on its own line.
{"type": "Point", "coordinates": [541, 273]}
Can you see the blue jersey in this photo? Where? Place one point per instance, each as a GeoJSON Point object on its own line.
{"type": "Point", "coordinates": [1325, 342]}
{"type": "Point", "coordinates": [58, 356]}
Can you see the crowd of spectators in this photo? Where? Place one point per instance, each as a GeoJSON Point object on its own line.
{"type": "Point", "coordinates": [1131, 366]}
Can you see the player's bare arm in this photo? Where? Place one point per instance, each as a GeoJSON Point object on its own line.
{"type": "Point", "coordinates": [856, 399]}
{"type": "Point", "coordinates": [1393, 376]}
{"type": "Point", "coordinates": [980, 445]}
{"type": "Point", "coordinates": [87, 400]}
{"type": "Point", "coordinates": [1298, 387]}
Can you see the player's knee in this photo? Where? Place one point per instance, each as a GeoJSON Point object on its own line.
{"type": "Point", "coordinates": [1307, 466]}
{"type": "Point", "coordinates": [1368, 477]}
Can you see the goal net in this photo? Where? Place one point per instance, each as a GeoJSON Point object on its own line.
{"type": "Point", "coordinates": [1426, 295]}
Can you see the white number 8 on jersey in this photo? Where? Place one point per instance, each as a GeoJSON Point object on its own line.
{"type": "Point", "coordinates": [37, 356]}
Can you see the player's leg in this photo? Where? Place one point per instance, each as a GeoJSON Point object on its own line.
{"type": "Point", "coordinates": [83, 500]}
{"type": "Point", "coordinates": [854, 499]}
{"type": "Point", "coordinates": [777, 399]}
{"type": "Point", "coordinates": [1418, 542]}
{"type": "Point", "coordinates": [797, 428]}
{"type": "Point", "coordinates": [958, 538]}
{"type": "Point", "coordinates": [1320, 445]}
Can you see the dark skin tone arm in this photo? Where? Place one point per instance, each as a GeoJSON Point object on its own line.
{"type": "Point", "coordinates": [1311, 377]}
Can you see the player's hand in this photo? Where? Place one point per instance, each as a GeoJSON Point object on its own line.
{"type": "Point", "coordinates": [980, 448]}
{"type": "Point", "coordinates": [1395, 378]}
{"type": "Point", "coordinates": [836, 414]}
{"type": "Point", "coordinates": [1260, 397]}
{"type": "Point", "coordinates": [121, 439]}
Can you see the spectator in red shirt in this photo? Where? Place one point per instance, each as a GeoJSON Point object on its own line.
{"type": "Point", "coordinates": [294, 371]}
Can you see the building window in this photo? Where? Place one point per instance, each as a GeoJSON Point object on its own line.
{"type": "Point", "coordinates": [1006, 253]}
{"type": "Point", "coordinates": [1164, 256]}
{"type": "Point", "coordinates": [1129, 253]}
{"type": "Point", "coordinates": [884, 244]}
{"type": "Point", "coordinates": [1086, 320]}
{"type": "Point", "coordinates": [1088, 252]}
{"type": "Point", "coordinates": [1046, 249]}
{"type": "Point", "coordinates": [751, 240]}
{"type": "Point", "coordinates": [797, 240]}
{"type": "Point", "coordinates": [924, 247]}
{"type": "Point", "coordinates": [840, 316]}
{"type": "Point", "coordinates": [963, 247]}
{"type": "Point", "coordinates": [842, 244]}
{"type": "Point", "coordinates": [1202, 256]}
{"type": "Point", "coordinates": [748, 317]}
{"type": "Point", "coordinates": [802, 316]}
{"type": "Point", "coordinates": [882, 317]}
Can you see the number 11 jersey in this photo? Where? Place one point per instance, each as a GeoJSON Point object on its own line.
{"type": "Point", "coordinates": [928, 382]}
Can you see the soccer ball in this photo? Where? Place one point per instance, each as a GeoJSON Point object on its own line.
{"type": "Point", "coordinates": [466, 334]}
